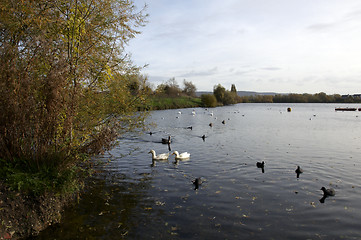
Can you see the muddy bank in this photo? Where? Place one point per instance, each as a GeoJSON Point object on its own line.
{"type": "Point", "coordinates": [22, 215]}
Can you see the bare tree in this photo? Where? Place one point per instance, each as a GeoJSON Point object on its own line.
{"type": "Point", "coordinates": [189, 88]}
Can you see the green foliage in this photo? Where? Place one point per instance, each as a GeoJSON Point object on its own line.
{"type": "Point", "coordinates": [159, 102]}
{"type": "Point", "coordinates": [20, 177]}
{"type": "Point", "coordinates": [311, 98]}
{"type": "Point", "coordinates": [300, 98]}
{"type": "Point", "coordinates": [209, 100]}
{"type": "Point", "coordinates": [224, 96]}
{"type": "Point", "coordinates": [67, 85]}
{"type": "Point", "coordinates": [219, 91]}
{"type": "Point", "coordinates": [258, 99]}
{"type": "Point", "coordinates": [229, 98]}
{"type": "Point", "coordinates": [233, 88]}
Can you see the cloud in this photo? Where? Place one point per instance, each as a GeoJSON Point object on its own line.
{"type": "Point", "coordinates": [290, 46]}
{"type": "Point", "coordinates": [344, 20]}
{"type": "Point", "coordinates": [322, 26]}
{"type": "Point", "coordinates": [193, 73]}
{"type": "Point", "coordinates": [271, 68]}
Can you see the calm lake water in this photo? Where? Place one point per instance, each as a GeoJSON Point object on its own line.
{"type": "Point", "coordinates": [130, 199]}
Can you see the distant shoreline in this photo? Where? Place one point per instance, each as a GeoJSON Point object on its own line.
{"type": "Point", "coordinates": [169, 102]}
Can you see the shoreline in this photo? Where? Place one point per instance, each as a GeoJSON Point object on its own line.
{"type": "Point", "coordinates": [23, 215]}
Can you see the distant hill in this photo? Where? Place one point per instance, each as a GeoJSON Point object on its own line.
{"type": "Point", "coordinates": [241, 93]}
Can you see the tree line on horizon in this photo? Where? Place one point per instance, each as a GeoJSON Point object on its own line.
{"type": "Point", "coordinates": [171, 88]}
{"type": "Point", "coordinates": [222, 96]}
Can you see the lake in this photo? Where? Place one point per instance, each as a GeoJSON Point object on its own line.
{"type": "Point", "coordinates": [130, 199]}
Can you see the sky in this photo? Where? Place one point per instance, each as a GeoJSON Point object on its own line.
{"type": "Point", "coordinates": [283, 46]}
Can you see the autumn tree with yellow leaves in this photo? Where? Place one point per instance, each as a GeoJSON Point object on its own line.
{"type": "Point", "coordinates": [67, 85]}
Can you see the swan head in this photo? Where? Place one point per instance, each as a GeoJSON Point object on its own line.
{"type": "Point", "coordinates": [175, 153]}
{"type": "Point", "coordinates": [152, 152]}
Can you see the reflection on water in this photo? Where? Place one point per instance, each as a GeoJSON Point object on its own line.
{"type": "Point", "coordinates": [130, 199]}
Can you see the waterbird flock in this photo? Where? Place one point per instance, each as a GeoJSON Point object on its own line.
{"type": "Point", "coordinates": [197, 181]}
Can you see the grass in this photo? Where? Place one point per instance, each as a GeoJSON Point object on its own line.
{"type": "Point", "coordinates": [20, 177]}
{"type": "Point", "coordinates": [160, 103]}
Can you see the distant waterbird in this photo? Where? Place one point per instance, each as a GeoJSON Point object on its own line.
{"type": "Point", "coordinates": [328, 192]}
{"type": "Point", "coordinates": [298, 171]}
{"type": "Point", "coordinates": [260, 165]}
{"type": "Point", "coordinates": [166, 140]}
{"type": "Point", "coordinates": [197, 182]}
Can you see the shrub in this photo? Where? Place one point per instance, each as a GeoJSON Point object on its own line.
{"type": "Point", "coordinates": [209, 100]}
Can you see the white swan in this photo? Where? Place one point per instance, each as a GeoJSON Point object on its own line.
{"type": "Point", "coordinates": [181, 156]}
{"type": "Point", "coordinates": [162, 156]}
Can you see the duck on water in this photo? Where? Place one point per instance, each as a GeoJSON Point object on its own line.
{"type": "Point", "coordinates": [166, 140]}
{"type": "Point", "coordinates": [326, 193]}
{"type": "Point", "coordinates": [298, 171]}
{"type": "Point", "coordinates": [162, 156]}
{"type": "Point", "coordinates": [197, 182]}
{"type": "Point", "coordinates": [181, 156]}
{"type": "Point", "coordinates": [260, 165]}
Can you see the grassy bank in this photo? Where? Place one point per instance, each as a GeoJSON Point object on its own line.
{"type": "Point", "coordinates": [23, 215]}
{"type": "Point", "coordinates": [32, 199]}
{"type": "Point", "coordinates": [160, 102]}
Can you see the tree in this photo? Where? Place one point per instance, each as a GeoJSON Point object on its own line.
{"type": "Point", "coordinates": [189, 88]}
{"type": "Point", "coordinates": [67, 85]}
{"type": "Point", "coordinates": [219, 92]}
{"type": "Point", "coordinates": [169, 88]}
{"type": "Point", "coordinates": [209, 100]}
{"type": "Point", "coordinates": [233, 88]}
{"type": "Point", "coordinates": [229, 98]}
{"type": "Point", "coordinates": [224, 96]}
{"type": "Point", "coordinates": [172, 88]}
